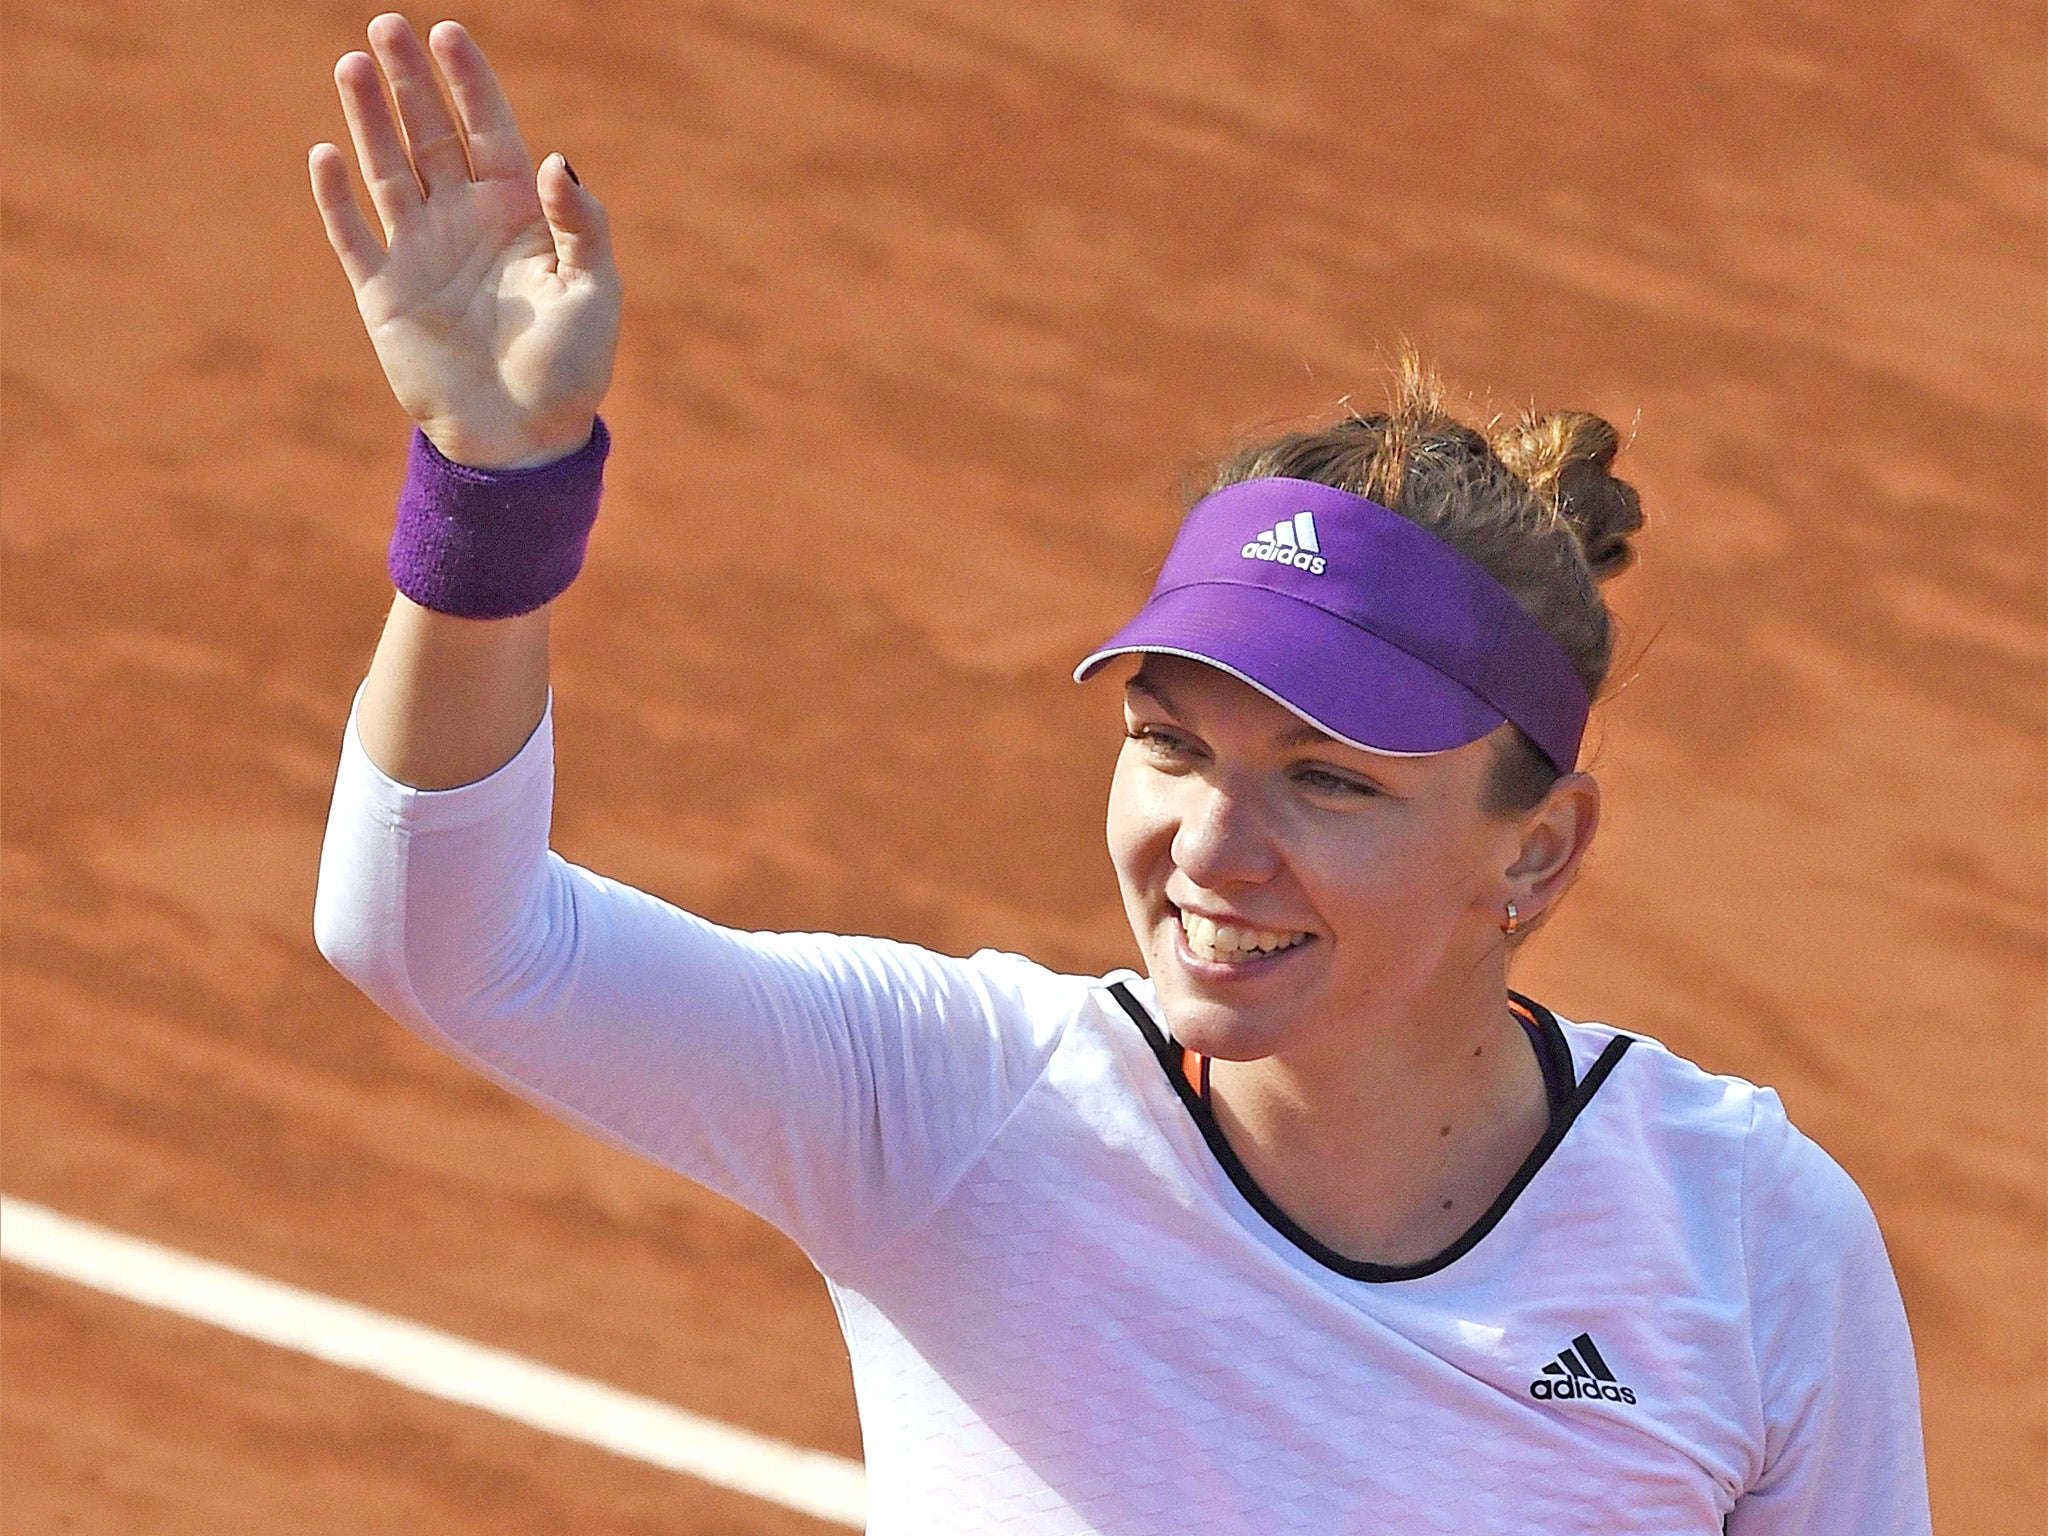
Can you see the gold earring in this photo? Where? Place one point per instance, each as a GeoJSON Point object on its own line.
{"type": "Point", "coordinates": [1514, 920]}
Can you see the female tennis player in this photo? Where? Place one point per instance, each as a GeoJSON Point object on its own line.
{"type": "Point", "coordinates": [1314, 1224]}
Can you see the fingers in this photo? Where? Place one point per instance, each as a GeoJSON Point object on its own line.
{"type": "Point", "coordinates": [347, 230]}
{"type": "Point", "coordinates": [495, 148]}
{"type": "Point", "coordinates": [394, 193]}
{"type": "Point", "coordinates": [577, 221]}
{"type": "Point", "coordinates": [430, 132]}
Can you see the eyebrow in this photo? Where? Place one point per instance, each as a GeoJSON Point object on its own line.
{"type": "Point", "coordinates": [1303, 735]}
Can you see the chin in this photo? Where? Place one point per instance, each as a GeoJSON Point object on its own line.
{"type": "Point", "coordinates": [1226, 1031]}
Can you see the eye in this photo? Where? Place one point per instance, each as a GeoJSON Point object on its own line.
{"type": "Point", "coordinates": [1158, 743]}
{"type": "Point", "coordinates": [1335, 783]}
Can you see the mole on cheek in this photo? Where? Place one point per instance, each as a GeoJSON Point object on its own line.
{"type": "Point", "coordinates": [1445, 1131]}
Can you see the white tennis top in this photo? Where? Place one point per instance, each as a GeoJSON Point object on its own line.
{"type": "Point", "coordinates": [1068, 1307]}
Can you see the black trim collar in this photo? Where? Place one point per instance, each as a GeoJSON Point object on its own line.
{"type": "Point", "coordinates": [1552, 1050]}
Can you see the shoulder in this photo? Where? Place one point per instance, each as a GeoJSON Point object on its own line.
{"type": "Point", "coordinates": [1795, 1203]}
{"type": "Point", "coordinates": [1031, 998]}
{"type": "Point", "coordinates": [904, 996]}
{"type": "Point", "coordinates": [1660, 1092]}
{"type": "Point", "coordinates": [1807, 1226]}
{"type": "Point", "coordinates": [1031, 984]}
{"type": "Point", "coordinates": [993, 976]}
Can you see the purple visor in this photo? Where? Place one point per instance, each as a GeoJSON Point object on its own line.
{"type": "Point", "coordinates": [1369, 627]}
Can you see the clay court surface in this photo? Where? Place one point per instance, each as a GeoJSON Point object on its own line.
{"type": "Point", "coordinates": [928, 304]}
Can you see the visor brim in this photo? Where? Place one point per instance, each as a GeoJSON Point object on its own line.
{"type": "Point", "coordinates": [1345, 681]}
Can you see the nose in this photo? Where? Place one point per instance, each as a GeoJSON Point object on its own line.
{"type": "Point", "coordinates": [1222, 839]}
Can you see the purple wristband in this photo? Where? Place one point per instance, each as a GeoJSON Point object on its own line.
{"type": "Point", "coordinates": [494, 543]}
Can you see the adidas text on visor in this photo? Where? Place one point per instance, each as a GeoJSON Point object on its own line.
{"type": "Point", "coordinates": [1369, 627]}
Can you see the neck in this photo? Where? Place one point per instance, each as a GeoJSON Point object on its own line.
{"type": "Point", "coordinates": [1394, 1129]}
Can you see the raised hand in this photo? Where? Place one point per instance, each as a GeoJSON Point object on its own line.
{"type": "Point", "coordinates": [493, 299]}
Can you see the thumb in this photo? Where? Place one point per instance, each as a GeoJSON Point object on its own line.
{"type": "Point", "coordinates": [576, 219]}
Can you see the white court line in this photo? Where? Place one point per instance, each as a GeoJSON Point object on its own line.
{"type": "Point", "coordinates": [436, 1363]}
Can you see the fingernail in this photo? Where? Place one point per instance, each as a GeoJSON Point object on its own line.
{"type": "Point", "coordinates": [571, 170]}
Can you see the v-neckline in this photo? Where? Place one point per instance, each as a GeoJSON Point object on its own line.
{"type": "Point", "coordinates": [1188, 1073]}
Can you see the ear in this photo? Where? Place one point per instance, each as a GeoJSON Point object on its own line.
{"type": "Point", "coordinates": [1554, 838]}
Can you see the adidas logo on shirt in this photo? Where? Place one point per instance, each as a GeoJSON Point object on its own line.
{"type": "Point", "coordinates": [1291, 541]}
{"type": "Point", "coordinates": [1579, 1372]}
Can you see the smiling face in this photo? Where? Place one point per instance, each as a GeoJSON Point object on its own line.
{"type": "Point", "coordinates": [1283, 885]}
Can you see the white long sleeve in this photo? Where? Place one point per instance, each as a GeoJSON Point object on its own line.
{"type": "Point", "coordinates": [1841, 1402]}
{"type": "Point", "coordinates": [834, 1085]}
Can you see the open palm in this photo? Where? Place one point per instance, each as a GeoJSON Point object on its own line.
{"type": "Point", "coordinates": [493, 300]}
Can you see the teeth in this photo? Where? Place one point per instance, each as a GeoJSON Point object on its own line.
{"type": "Point", "coordinates": [1212, 940]}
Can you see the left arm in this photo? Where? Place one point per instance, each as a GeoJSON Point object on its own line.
{"type": "Point", "coordinates": [1841, 1396]}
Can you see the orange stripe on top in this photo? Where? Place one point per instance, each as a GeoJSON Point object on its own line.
{"type": "Point", "coordinates": [1516, 1007]}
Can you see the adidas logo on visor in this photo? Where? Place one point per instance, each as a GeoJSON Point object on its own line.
{"type": "Point", "coordinates": [1579, 1372]}
{"type": "Point", "coordinates": [1291, 541]}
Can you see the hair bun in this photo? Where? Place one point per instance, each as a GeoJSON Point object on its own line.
{"type": "Point", "coordinates": [1565, 459]}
